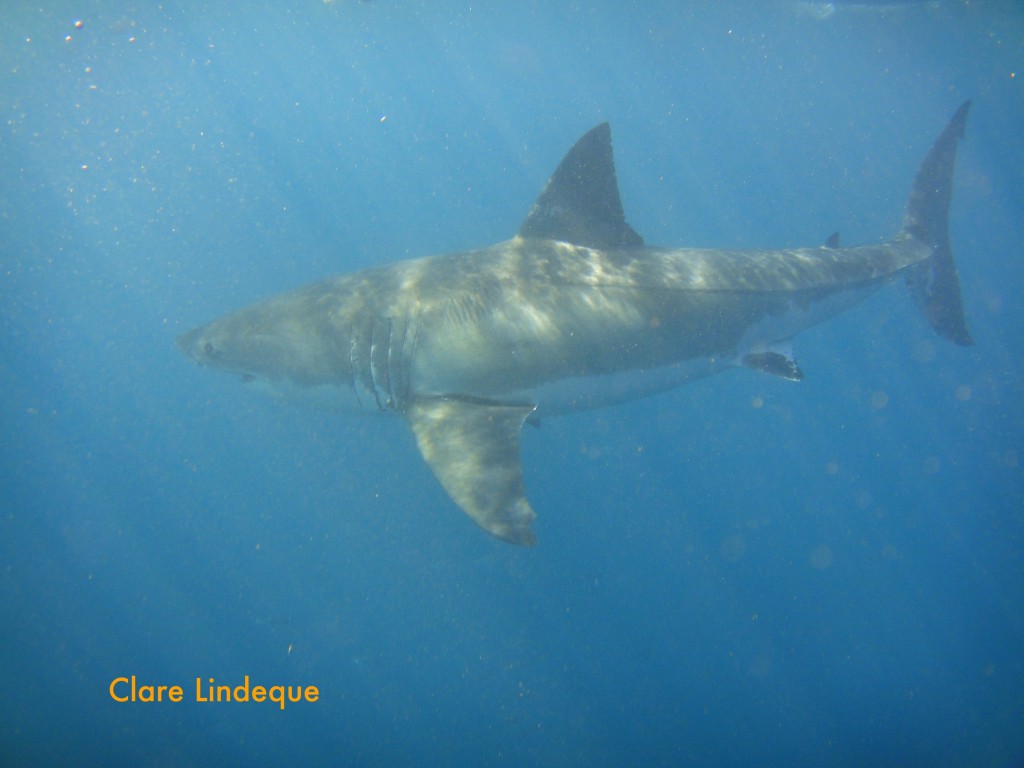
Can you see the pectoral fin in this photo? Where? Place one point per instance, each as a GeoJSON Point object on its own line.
{"type": "Point", "coordinates": [473, 449]}
{"type": "Point", "coordinates": [776, 363]}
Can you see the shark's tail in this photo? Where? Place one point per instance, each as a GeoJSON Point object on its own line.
{"type": "Point", "coordinates": [934, 282]}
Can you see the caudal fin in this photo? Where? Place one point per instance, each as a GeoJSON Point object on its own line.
{"type": "Point", "coordinates": [934, 282]}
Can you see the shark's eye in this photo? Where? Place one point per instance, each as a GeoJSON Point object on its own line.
{"type": "Point", "coordinates": [210, 351]}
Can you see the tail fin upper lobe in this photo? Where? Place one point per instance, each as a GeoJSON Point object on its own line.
{"type": "Point", "coordinates": [934, 282]}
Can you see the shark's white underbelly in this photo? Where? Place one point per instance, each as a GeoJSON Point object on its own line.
{"type": "Point", "coordinates": [584, 393]}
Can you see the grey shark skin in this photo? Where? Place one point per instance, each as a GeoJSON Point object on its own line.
{"type": "Point", "coordinates": [826, 9]}
{"type": "Point", "coordinates": [574, 312]}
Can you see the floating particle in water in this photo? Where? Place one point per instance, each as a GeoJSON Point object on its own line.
{"type": "Point", "coordinates": [821, 557]}
{"type": "Point", "coordinates": [733, 548]}
{"type": "Point", "coordinates": [924, 351]}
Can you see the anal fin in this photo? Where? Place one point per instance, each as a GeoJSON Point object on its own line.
{"type": "Point", "coordinates": [472, 447]}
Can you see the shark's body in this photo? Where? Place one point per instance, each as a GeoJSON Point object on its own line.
{"type": "Point", "coordinates": [573, 313]}
{"type": "Point", "coordinates": [826, 9]}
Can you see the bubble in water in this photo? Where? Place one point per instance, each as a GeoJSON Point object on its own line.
{"type": "Point", "coordinates": [821, 557]}
{"type": "Point", "coordinates": [924, 351]}
{"type": "Point", "coordinates": [733, 548]}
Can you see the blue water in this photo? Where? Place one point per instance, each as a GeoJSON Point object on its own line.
{"type": "Point", "coordinates": [741, 572]}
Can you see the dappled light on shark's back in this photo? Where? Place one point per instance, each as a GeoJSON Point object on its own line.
{"type": "Point", "coordinates": [826, 9]}
{"type": "Point", "coordinates": [573, 313]}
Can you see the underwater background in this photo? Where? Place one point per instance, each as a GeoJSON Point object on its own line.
{"type": "Point", "coordinates": [742, 571]}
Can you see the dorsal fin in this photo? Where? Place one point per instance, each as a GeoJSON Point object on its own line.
{"type": "Point", "coordinates": [581, 203]}
{"type": "Point", "coordinates": [833, 241]}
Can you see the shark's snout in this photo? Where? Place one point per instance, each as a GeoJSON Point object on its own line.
{"type": "Point", "coordinates": [185, 341]}
{"type": "Point", "coordinates": [199, 346]}
{"type": "Point", "coordinates": [194, 345]}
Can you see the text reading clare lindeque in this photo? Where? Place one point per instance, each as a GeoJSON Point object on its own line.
{"type": "Point", "coordinates": [129, 689]}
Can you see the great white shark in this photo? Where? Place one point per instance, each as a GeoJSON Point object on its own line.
{"type": "Point", "coordinates": [574, 312]}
